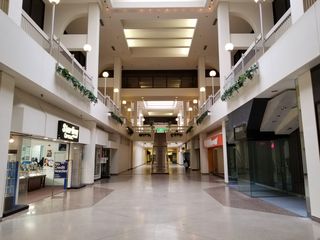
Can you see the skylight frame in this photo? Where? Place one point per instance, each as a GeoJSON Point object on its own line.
{"type": "Point", "coordinates": [158, 3]}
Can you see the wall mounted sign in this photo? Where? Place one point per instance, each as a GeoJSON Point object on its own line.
{"type": "Point", "coordinates": [68, 131]}
{"type": "Point", "coordinates": [213, 141]}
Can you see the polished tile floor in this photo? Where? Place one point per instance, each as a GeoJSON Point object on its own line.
{"type": "Point", "coordinates": [136, 205]}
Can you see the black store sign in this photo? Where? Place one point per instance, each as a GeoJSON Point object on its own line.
{"type": "Point", "coordinates": [68, 131]}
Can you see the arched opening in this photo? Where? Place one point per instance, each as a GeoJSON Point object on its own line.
{"type": "Point", "coordinates": [77, 26]}
{"type": "Point", "coordinates": [239, 25]}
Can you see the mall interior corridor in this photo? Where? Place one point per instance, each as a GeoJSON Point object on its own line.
{"type": "Point", "coordinates": [138, 205]}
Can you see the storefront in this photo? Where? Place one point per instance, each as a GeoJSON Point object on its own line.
{"type": "Point", "coordinates": [102, 162]}
{"type": "Point", "coordinates": [36, 163]}
{"type": "Point", "coordinates": [215, 154]}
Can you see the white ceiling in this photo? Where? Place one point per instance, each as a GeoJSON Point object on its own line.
{"type": "Point", "coordinates": [159, 37]}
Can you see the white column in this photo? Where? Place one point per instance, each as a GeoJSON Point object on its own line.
{"type": "Point", "coordinates": [203, 155]}
{"type": "Point", "coordinates": [310, 136]}
{"type": "Point", "coordinates": [15, 11]}
{"type": "Point", "coordinates": [223, 38]}
{"type": "Point", "coordinates": [93, 37]}
{"type": "Point", "coordinates": [201, 79]}
{"type": "Point", "coordinates": [225, 155]}
{"type": "Point", "coordinates": [89, 157]}
{"type": "Point", "coordinates": [117, 80]}
{"type": "Point", "coordinates": [297, 10]}
{"type": "Point", "coordinates": [6, 100]}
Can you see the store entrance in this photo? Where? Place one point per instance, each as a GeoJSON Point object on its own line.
{"type": "Point", "coordinates": [40, 168]}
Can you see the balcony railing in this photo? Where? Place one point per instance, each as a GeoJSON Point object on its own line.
{"type": "Point", "coordinates": [257, 49]}
{"type": "Point", "coordinates": [109, 103]}
{"type": "Point", "coordinates": [4, 5]}
{"type": "Point", "coordinates": [308, 3]}
{"type": "Point", "coordinates": [278, 29]}
{"type": "Point", "coordinates": [59, 51]}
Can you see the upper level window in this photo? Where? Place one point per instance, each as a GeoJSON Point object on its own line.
{"type": "Point", "coordinates": [35, 9]}
{"type": "Point", "coordinates": [279, 8]}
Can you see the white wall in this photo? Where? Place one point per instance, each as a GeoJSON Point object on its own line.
{"type": "Point", "coordinates": [39, 75]}
{"type": "Point", "coordinates": [138, 154]}
{"type": "Point", "coordinates": [35, 117]}
{"type": "Point", "coordinates": [102, 137]}
{"type": "Point", "coordinates": [120, 157]}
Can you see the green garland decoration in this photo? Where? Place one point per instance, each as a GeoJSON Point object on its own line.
{"type": "Point", "coordinates": [202, 117]}
{"type": "Point", "coordinates": [144, 135]}
{"type": "Point", "coordinates": [189, 129]}
{"type": "Point", "coordinates": [248, 74]}
{"type": "Point", "coordinates": [176, 134]}
{"type": "Point", "coordinates": [116, 117]}
{"type": "Point", "coordinates": [130, 131]}
{"type": "Point", "coordinates": [76, 84]}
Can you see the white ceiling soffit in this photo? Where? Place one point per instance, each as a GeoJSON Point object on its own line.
{"type": "Point", "coordinates": [159, 38]}
{"type": "Point", "coordinates": [158, 3]}
{"type": "Point", "coordinates": [281, 115]}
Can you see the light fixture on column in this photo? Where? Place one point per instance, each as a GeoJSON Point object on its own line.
{"type": "Point", "coordinates": [212, 74]}
{"type": "Point", "coordinates": [195, 101]}
{"type": "Point", "coordinates": [202, 89]}
{"type": "Point", "coordinates": [261, 21]}
{"type": "Point", "coordinates": [116, 90]}
{"type": "Point", "coordinates": [229, 46]}
{"type": "Point", "coordinates": [129, 109]}
{"type": "Point", "coordinates": [54, 3]}
{"type": "Point", "coordinates": [11, 140]}
{"type": "Point", "coordinates": [190, 109]}
{"type": "Point", "coordinates": [105, 74]}
{"type": "Point", "coordinates": [124, 102]}
{"type": "Point", "coordinates": [87, 48]}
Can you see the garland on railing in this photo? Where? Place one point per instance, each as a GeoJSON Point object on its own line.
{"type": "Point", "coordinates": [177, 134]}
{"type": "Point", "coordinates": [144, 135]}
{"type": "Point", "coordinates": [76, 84]}
{"type": "Point", "coordinates": [116, 117]}
{"type": "Point", "coordinates": [202, 117]}
{"type": "Point", "coordinates": [130, 131]}
{"type": "Point", "coordinates": [248, 74]}
{"type": "Point", "coordinates": [189, 129]}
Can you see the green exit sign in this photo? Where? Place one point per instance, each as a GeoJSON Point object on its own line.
{"type": "Point", "coordinates": [161, 130]}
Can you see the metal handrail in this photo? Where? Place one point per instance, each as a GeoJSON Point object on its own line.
{"type": "Point", "coordinates": [109, 103]}
{"type": "Point", "coordinates": [73, 66]}
{"type": "Point", "coordinates": [308, 3]}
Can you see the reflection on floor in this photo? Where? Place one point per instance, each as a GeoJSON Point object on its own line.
{"type": "Point", "coordinates": [296, 205]}
{"type": "Point", "coordinates": [152, 207]}
{"type": "Point", "coordinates": [37, 195]}
{"type": "Point", "coordinates": [231, 198]}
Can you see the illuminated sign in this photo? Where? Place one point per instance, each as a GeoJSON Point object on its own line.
{"type": "Point", "coordinates": [213, 141]}
{"type": "Point", "coordinates": [68, 131]}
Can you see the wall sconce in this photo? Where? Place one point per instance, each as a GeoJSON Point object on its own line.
{"type": "Point", "coordinates": [229, 47]}
{"type": "Point", "coordinates": [202, 89]}
{"type": "Point", "coordinates": [87, 48]}
{"type": "Point", "coordinates": [11, 140]}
